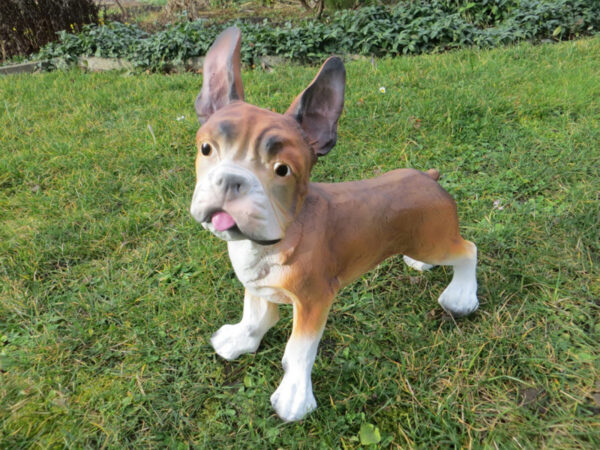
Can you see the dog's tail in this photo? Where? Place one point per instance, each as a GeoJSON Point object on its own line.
{"type": "Point", "coordinates": [433, 173]}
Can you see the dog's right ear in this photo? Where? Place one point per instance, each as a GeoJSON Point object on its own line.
{"type": "Point", "coordinates": [222, 83]}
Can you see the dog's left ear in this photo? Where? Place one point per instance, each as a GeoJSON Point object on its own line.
{"type": "Point", "coordinates": [222, 83]}
{"type": "Point", "coordinates": [318, 108]}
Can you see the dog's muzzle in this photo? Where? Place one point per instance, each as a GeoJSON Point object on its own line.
{"type": "Point", "coordinates": [231, 202]}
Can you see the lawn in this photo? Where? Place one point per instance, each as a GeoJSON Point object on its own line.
{"type": "Point", "coordinates": [109, 291]}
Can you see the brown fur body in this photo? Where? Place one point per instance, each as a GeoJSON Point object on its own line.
{"type": "Point", "coordinates": [346, 229]}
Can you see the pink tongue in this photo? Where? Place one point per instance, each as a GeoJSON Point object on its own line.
{"type": "Point", "coordinates": [222, 221]}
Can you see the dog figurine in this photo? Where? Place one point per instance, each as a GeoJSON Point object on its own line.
{"type": "Point", "coordinates": [295, 242]}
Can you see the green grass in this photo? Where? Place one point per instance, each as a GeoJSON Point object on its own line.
{"type": "Point", "coordinates": [109, 291]}
{"type": "Point", "coordinates": [154, 2]}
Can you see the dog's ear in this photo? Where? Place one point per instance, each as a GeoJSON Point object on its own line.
{"type": "Point", "coordinates": [318, 108]}
{"type": "Point", "coordinates": [222, 83]}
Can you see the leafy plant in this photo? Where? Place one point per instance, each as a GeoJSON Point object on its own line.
{"type": "Point", "coordinates": [407, 28]}
{"type": "Point", "coordinates": [481, 12]}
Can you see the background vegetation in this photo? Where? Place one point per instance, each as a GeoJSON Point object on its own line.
{"type": "Point", "coordinates": [27, 25]}
{"type": "Point", "coordinates": [407, 28]}
{"type": "Point", "coordinates": [109, 291]}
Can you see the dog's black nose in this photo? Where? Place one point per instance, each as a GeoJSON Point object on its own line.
{"type": "Point", "coordinates": [232, 184]}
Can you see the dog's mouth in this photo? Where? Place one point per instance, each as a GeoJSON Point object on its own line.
{"type": "Point", "coordinates": [223, 222]}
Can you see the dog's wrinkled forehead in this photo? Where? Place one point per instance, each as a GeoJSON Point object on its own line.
{"type": "Point", "coordinates": [315, 110]}
{"type": "Point", "coordinates": [244, 131]}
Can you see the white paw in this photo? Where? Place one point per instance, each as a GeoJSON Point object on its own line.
{"type": "Point", "coordinates": [294, 398]}
{"type": "Point", "coordinates": [417, 265]}
{"type": "Point", "coordinates": [459, 299]}
{"type": "Point", "coordinates": [230, 341]}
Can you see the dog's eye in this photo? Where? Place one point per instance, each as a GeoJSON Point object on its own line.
{"type": "Point", "coordinates": [206, 149]}
{"type": "Point", "coordinates": [282, 170]}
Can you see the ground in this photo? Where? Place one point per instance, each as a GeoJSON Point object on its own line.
{"type": "Point", "coordinates": [109, 291]}
{"type": "Point", "coordinates": [153, 14]}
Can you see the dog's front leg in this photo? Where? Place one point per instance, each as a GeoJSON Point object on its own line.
{"type": "Point", "coordinates": [294, 397]}
{"type": "Point", "coordinates": [230, 341]}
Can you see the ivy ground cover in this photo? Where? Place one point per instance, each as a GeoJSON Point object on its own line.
{"type": "Point", "coordinates": [410, 27]}
{"type": "Point", "coordinates": [109, 291]}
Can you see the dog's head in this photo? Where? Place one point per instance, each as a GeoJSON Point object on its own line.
{"type": "Point", "coordinates": [253, 165]}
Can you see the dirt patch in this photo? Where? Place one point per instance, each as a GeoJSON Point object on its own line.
{"type": "Point", "coordinates": [152, 17]}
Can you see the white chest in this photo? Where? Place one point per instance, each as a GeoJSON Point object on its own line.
{"type": "Point", "coordinates": [256, 267]}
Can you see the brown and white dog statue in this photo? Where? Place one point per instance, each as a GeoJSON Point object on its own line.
{"type": "Point", "coordinates": [295, 242]}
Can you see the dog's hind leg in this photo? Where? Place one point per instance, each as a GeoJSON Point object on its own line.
{"type": "Point", "coordinates": [460, 297]}
{"type": "Point", "coordinates": [230, 341]}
